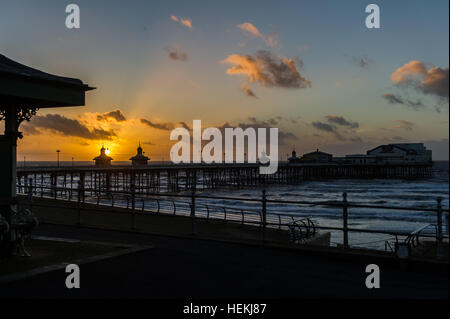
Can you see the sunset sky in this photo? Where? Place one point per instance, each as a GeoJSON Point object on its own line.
{"type": "Point", "coordinates": [310, 68]}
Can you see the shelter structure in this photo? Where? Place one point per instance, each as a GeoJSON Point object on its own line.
{"type": "Point", "coordinates": [139, 159]}
{"type": "Point", "coordinates": [24, 90]}
{"type": "Point", "coordinates": [294, 159]}
{"type": "Point", "coordinates": [103, 160]}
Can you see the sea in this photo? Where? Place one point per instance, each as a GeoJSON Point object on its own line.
{"type": "Point", "coordinates": [402, 193]}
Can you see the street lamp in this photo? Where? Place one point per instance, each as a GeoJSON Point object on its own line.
{"type": "Point", "coordinates": [57, 158]}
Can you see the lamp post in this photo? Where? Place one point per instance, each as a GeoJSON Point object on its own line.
{"type": "Point", "coordinates": [57, 158]}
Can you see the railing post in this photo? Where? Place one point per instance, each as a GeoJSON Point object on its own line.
{"type": "Point", "coordinates": [55, 190]}
{"type": "Point", "coordinates": [193, 224]}
{"type": "Point", "coordinates": [30, 194]}
{"type": "Point", "coordinates": [81, 189]}
{"type": "Point", "coordinates": [79, 203]}
{"type": "Point", "coordinates": [345, 219]}
{"type": "Point", "coordinates": [440, 251]}
{"type": "Point", "coordinates": [133, 205]}
{"type": "Point", "coordinates": [264, 213]}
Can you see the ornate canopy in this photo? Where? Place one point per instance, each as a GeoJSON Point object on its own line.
{"type": "Point", "coordinates": [21, 85]}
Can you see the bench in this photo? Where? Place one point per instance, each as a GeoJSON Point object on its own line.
{"type": "Point", "coordinates": [22, 223]}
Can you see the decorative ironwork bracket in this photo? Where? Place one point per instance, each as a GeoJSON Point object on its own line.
{"type": "Point", "coordinates": [21, 114]}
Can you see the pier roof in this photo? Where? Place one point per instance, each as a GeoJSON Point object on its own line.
{"type": "Point", "coordinates": [317, 152]}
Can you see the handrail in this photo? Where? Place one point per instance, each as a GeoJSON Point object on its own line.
{"type": "Point", "coordinates": [313, 203]}
{"type": "Point", "coordinates": [243, 215]}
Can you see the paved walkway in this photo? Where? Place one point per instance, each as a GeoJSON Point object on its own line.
{"type": "Point", "coordinates": [189, 268]}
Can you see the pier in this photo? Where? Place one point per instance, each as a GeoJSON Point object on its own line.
{"type": "Point", "coordinates": [171, 178]}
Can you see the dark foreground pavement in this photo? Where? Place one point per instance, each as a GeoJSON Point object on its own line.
{"type": "Point", "coordinates": [189, 268]}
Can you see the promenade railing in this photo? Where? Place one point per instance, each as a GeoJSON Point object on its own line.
{"type": "Point", "coordinates": [262, 212]}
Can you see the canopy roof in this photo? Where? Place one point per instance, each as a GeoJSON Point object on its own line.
{"type": "Point", "coordinates": [21, 85]}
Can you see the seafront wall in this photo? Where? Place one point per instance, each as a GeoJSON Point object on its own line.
{"type": "Point", "coordinates": [116, 218]}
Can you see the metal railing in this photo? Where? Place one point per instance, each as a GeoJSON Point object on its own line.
{"type": "Point", "coordinates": [197, 205]}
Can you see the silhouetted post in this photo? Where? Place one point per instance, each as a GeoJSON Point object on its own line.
{"type": "Point", "coordinates": [345, 218]}
{"type": "Point", "coordinates": [193, 224]}
{"type": "Point", "coordinates": [79, 202]}
{"type": "Point", "coordinates": [133, 203]}
{"type": "Point", "coordinates": [54, 182]}
{"type": "Point", "coordinates": [81, 182]}
{"type": "Point", "coordinates": [30, 193]}
{"type": "Point", "coordinates": [57, 157]}
{"type": "Point", "coordinates": [440, 252]}
{"type": "Point", "coordinates": [264, 213]}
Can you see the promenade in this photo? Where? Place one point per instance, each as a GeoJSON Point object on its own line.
{"type": "Point", "coordinates": [193, 268]}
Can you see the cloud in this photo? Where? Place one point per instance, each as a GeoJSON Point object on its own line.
{"type": "Point", "coordinates": [177, 54]}
{"type": "Point", "coordinates": [339, 120]}
{"type": "Point", "coordinates": [271, 39]}
{"type": "Point", "coordinates": [184, 125]}
{"type": "Point", "coordinates": [294, 120]}
{"type": "Point", "coordinates": [167, 126]}
{"type": "Point", "coordinates": [270, 122]}
{"type": "Point", "coordinates": [250, 28]}
{"type": "Point", "coordinates": [283, 136]}
{"type": "Point", "coordinates": [402, 124]}
{"type": "Point", "coordinates": [186, 22]}
{"type": "Point", "coordinates": [66, 126]}
{"type": "Point", "coordinates": [331, 127]}
{"type": "Point", "coordinates": [397, 99]}
{"type": "Point", "coordinates": [393, 99]}
{"type": "Point", "coordinates": [265, 69]}
{"type": "Point", "coordinates": [324, 127]}
{"type": "Point", "coordinates": [148, 143]}
{"type": "Point", "coordinates": [159, 126]}
{"type": "Point", "coordinates": [116, 115]}
{"type": "Point", "coordinates": [247, 91]}
{"type": "Point", "coordinates": [427, 79]}
{"type": "Point", "coordinates": [363, 62]}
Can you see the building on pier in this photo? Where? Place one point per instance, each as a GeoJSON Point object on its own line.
{"type": "Point", "coordinates": [139, 159]}
{"type": "Point", "coordinates": [103, 160]}
{"type": "Point", "coordinates": [407, 153]}
{"type": "Point", "coordinates": [359, 159]}
{"type": "Point", "coordinates": [317, 157]}
{"type": "Point", "coordinates": [294, 159]}
{"type": "Point", "coordinates": [401, 153]}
